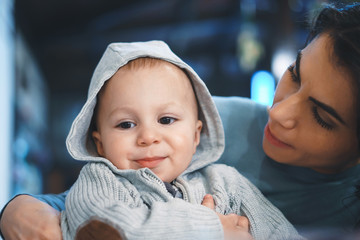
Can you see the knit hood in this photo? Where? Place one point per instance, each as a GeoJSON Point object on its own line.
{"type": "Point", "coordinates": [79, 141]}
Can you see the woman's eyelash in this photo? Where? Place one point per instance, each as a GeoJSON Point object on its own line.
{"type": "Point", "coordinates": [319, 120]}
{"type": "Point", "coordinates": [293, 76]}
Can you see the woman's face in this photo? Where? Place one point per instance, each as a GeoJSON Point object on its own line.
{"type": "Point", "coordinates": [312, 122]}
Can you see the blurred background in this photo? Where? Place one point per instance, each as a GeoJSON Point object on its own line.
{"type": "Point", "coordinates": [49, 49]}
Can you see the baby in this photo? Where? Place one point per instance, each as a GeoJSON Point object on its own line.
{"type": "Point", "coordinates": [150, 133]}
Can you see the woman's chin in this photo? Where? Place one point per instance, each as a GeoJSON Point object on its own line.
{"type": "Point", "coordinates": [277, 154]}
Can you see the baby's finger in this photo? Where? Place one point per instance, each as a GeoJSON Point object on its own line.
{"type": "Point", "coordinates": [243, 223]}
{"type": "Point", "coordinates": [208, 201]}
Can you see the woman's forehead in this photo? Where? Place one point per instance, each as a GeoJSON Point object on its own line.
{"type": "Point", "coordinates": [329, 82]}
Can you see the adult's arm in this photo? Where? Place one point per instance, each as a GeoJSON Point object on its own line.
{"type": "Point", "coordinates": [32, 215]}
{"type": "Point", "coordinates": [17, 221]}
{"type": "Point", "coordinates": [29, 218]}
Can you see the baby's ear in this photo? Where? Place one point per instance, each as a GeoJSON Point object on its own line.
{"type": "Point", "coordinates": [198, 128]}
{"type": "Point", "coordinates": [97, 139]}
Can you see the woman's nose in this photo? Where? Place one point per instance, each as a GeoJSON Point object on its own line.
{"type": "Point", "coordinates": [148, 135]}
{"type": "Point", "coordinates": [286, 111]}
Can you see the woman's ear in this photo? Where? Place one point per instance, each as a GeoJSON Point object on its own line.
{"type": "Point", "coordinates": [97, 139]}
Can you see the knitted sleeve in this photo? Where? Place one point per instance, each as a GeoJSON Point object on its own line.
{"type": "Point", "coordinates": [266, 221]}
{"type": "Point", "coordinates": [97, 192]}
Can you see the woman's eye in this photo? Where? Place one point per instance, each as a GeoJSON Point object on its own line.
{"type": "Point", "coordinates": [292, 73]}
{"type": "Point", "coordinates": [166, 120]}
{"type": "Point", "coordinates": [126, 125]}
{"type": "Point", "coordinates": [319, 120]}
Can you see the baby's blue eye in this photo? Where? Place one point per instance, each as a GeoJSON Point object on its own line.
{"type": "Point", "coordinates": [126, 125]}
{"type": "Point", "coordinates": [166, 120]}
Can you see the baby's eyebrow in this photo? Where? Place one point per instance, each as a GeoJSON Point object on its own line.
{"type": "Point", "coordinates": [328, 109]}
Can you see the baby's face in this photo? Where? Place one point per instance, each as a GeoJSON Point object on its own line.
{"type": "Point", "coordinates": [148, 118]}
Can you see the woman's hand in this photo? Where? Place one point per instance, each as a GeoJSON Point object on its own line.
{"type": "Point", "coordinates": [234, 226]}
{"type": "Point", "coordinates": [26, 218]}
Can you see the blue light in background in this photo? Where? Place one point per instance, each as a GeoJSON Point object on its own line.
{"type": "Point", "coordinates": [6, 96]}
{"type": "Point", "coordinates": [263, 87]}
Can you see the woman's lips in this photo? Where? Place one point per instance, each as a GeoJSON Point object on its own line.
{"type": "Point", "coordinates": [150, 162]}
{"type": "Point", "coordinates": [273, 140]}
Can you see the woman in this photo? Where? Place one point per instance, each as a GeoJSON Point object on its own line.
{"type": "Point", "coordinates": [307, 164]}
{"type": "Point", "coordinates": [311, 136]}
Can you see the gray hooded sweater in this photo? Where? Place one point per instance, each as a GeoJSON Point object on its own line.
{"type": "Point", "coordinates": [137, 201]}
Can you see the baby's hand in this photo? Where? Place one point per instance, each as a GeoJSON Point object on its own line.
{"type": "Point", "coordinates": [208, 201]}
{"type": "Point", "coordinates": [234, 226]}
